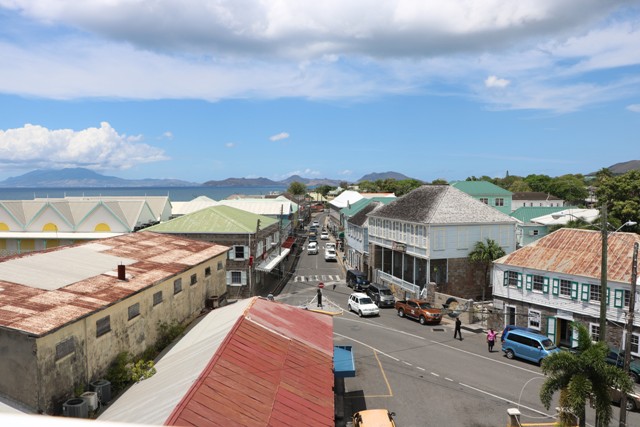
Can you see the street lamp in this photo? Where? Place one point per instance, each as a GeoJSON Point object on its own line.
{"type": "Point", "coordinates": [604, 225]}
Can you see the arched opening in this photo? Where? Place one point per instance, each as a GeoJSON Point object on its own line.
{"type": "Point", "coordinates": [102, 228]}
{"type": "Point", "coordinates": [50, 227]}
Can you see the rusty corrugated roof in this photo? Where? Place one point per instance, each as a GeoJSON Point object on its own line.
{"type": "Point", "coordinates": [578, 253]}
{"type": "Point", "coordinates": [155, 257]}
{"type": "Point", "coordinates": [274, 368]}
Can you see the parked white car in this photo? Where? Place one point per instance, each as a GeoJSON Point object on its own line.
{"type": "Point", "coordinates": [312, 248]}
{"type": "Point", "coordinates": [363, 305]}
{"type": "Point", "coordinates": [330, 254]}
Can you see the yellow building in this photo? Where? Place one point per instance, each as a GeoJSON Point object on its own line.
{"type": "Point", "coordinates": [66, 313]}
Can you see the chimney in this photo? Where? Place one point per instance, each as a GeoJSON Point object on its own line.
{"type": "Point", "coordinates": [122, 275]}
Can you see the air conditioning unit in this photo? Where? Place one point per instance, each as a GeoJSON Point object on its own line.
{"type": "Point", "coordinates": [103, 389]}
{"type": "Point", "coordinates": [91, 397]}
{"type": "Point", "coordinates": [75, 408]}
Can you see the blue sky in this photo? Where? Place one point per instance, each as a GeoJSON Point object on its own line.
{"type": "Point", "coordinates": [206, 90]}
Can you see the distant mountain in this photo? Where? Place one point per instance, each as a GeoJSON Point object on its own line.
{"type": "Point", "coordinates": [244, 182]}
{"type": "Point", "coordinates": [81, 178]}
{"type": "Point", "coordinates": [372, 177]}
{"type": "Point", "coordinates": [621, 168]}
{"type": "Point", "coordinates": [310, 182]}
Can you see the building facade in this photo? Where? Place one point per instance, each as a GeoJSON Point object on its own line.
{"type": "Point", "coordinates": [69, 311]}
{"type": "Point", "coordinates": [488, 193]}
{"type": "Point", "coordinates": [535, 199]}
{"type": "Point", "coordinates": [426, 237]}
{"type": "Point", "coordinates": [556, 280]}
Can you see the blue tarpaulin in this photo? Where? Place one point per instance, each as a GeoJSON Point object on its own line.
{"type": "Point", "coordinates": [344, 365]}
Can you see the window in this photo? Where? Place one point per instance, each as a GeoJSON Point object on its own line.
{"type": "Point", "coordinates": [512, 278]}
{"type": "Point", "coordinates": [627, 298]}
{"type": "Point", "coordinates": [484, 200]}
{"type": "Point", "coordinates": [194, 279]}
{"type": "Point", "coordinates": [236, 277]}
{"type": "Point", "coordinates": [565, 288]}
{"type": "Point", "coordinates": [177, 286]}
{"type": "Point", "coordinates": [594, 331]}
{"type": "Point", "coordinates": [594, 292]}
{"type": "Point", "coordinates": [157, 298]}
{"type": "Point", "coordinates": [220, 266]}
{"type": "Point", "coordinates": [635, 344]}
{"type": "Point", "coordinates": [535, 232]}
{"type": "Point", "coordinates": [134, 310]}
{"type": "Point", "coordinates": [499, 201]}
{"type": "Point", "coordinates": [65, 348]}
{"type": "Point", "coordinates": [534, 319]}
{"type": "Point", "coordinates": [207, 272]}
{"type": "Point", "coordinates": [538, 282]}
{"type": "Point", "coordinates": [239, 252]}
{"type": "Point", "coordinates": [103, 326]}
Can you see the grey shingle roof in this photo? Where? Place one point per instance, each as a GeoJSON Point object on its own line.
{"type": "Point", "coordinates": [361, 217]}
{"type": "Point", "coordinates": [441, 204]}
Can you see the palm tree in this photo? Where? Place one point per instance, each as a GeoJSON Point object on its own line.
{"type": "Point", "coordinates": [485, 254]}
{"type": "Point", "coordinates": [581, 375]}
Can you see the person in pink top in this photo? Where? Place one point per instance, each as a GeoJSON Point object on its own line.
{"type": "Point", "coordinates": [491, 339]}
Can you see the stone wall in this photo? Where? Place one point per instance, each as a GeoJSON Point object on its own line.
{"type": "Point", "coordinates": [464, 279]}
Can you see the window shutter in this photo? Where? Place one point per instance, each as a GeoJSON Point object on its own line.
{"type": "Point", "coordinates": [243, 277]}
{"type": "Point", "coordinates": [246, 252]}
{"type": "Point", "coordinates": [228, 277]}
{"type": "Point", "coordinates": [574, 290]}
{"type": "Point", "coordinates": [519, 280]}
{"type": "Point", "coordinates": [618, 298]}
{"type": "Point", "coordinates": [555, 289]}
{"type": "Point", "coordinates": [232, 253]}
{"type": "Point", "coordinates": [545, 285]}
{"type": "Point", "coordinates": [551, 329]}
{"type": "Point", "coordinates": [529, 281]}
{"type": "Point", "coordinates": [584, 295]}
{"type": "Point", "coordinates": [505, 281]}
{"type": "Point", "coordinates": [608, 292]}
{"type": "Point", "coordinates": [574, 337]}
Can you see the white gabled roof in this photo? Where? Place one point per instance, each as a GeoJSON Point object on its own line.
{"type": "Point", "coordinates": [197, 204]}
{"type": "Point", "coordinates": [565, 216]}
{"type": "Point", "coordinates": [261, 206]}
{"type": "Point", "coordinates": [345, 198]}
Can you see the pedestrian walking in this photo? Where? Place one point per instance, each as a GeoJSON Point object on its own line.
{"type": "Point", "coordinates": [319, 297]}
{"type": "Point", "coordinates": [458, 332]}
{"type": "Point", "coordinates": [491, 339]}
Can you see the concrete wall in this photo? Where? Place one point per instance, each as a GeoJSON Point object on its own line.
{"type": "Point", "coordinates": [45, 384]}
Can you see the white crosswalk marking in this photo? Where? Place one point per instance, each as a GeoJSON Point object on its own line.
{"type": "Point", "coordinates": [317, 278]}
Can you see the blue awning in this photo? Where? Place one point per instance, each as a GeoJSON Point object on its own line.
{"type": "Point", "coordinates": [344, 365]}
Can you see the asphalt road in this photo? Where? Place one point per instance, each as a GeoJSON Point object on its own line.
{"type": "Point", "coordinates": [420, 372]}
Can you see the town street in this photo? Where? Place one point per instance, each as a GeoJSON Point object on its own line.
{"type": "Point", "coordinates": [420, 372]}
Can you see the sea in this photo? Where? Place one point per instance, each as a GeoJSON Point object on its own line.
{"type": "Point", "coordinates": [175, 194]}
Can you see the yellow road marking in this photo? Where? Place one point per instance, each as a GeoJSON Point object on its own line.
{"type": "Point", "coordinates": [384, 376]}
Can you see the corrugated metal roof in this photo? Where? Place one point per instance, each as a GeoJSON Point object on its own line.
{"type": "Point", "coordinates": [275, 368]}
{"type": "Point", "coordinates": [215, 219]}
{"type": "Point", "coordinates": [527, 213]}
{"type": "Point", "coordinates": [441, 204]}
{"type": "Point", "coordinates": [577, 252]}
{"type": "Point", "coordinates": [255, 362]}
{"type": "Point", "coordinates": [197, 204]}
{"type": "Point", "coordinates": [152, 258]}
{"type": "Point", "coordinates": [354, 208]}
{"type": "Point", "coordinates": [345, 198]}
{"type": "Point", "coordinates": [275, 207]}
{"type": "Point", "coordinates": [480, 188]}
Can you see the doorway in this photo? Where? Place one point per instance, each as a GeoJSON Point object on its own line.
{"type": "Point", "coordinates": [566, 333]}
{"type": "Point", "coordinates": [509, 315]}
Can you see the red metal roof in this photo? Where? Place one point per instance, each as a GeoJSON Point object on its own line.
{"type": "Point", "coordinates": [157, 257]}
{"type": "Point", "coordinates": [289, 242]}
{"type": "Point", "coordinates": [577, 252]}
{"type": "Point", "coordinates": [275, 368]}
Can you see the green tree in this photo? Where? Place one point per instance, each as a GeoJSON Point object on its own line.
{"type": "Point", "coordinates": [297, 188]}
{"type": "Point", "coordinates": [368, 187]}
{"type": "Point", "coordinates": [571, 188]}
{"type": "Point", "coordinates": [405, 186]}
{"type": "Point", "coordinates": [538, 182]}
{"type": "Point", "coordinates": [581, 375]}
{"type": "Point", "coordinates": [622, 195]}
{"type": "Point", "coordinates": [519, 186]}
{"type": "Point", "coordinates": [344, 185]}
{"type": "Point", "coordinates": [439, 181]}
{"type": "Point", "coordinates": [484, 255]}
{"type": "Point", "coordinates": [324, 189]}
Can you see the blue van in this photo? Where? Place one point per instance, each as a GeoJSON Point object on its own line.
{"type": "Point", "coordinates": [527, 345]}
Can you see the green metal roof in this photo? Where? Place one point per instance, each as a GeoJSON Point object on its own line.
{"type": "Point", "coordinates": [215, 219]}
{"type": "Point", "coordinates": [360, 204]}
{"type": "Point", "coordinates": [527, 213]}
{"type": "Point", "coordinates": [480, 188]}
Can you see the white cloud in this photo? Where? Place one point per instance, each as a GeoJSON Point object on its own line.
{"type": "Point", "coordinates": [230, 144]}
{"type": "Point", "coordinates": [102, 148]}
{"type": "Point", "coordinates": [493, 81]}
{"type": "Point", "coordinates": [167, 135]}
{"type": "Point", "coordinates": [634, 107]}
{"type": "Point", "coordinates": [345, 172]}
{"type": "Point", "coordinates": [322, 50]}
{"type": "Point", "coordinates": [306, 173]}
{"type": "Point", "coordinates": [280, 136]}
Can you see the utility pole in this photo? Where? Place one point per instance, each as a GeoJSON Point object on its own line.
{"type": "Point", "coordinates": [627, 342]}
{"type": "Point", "coordinates": [602, 336]}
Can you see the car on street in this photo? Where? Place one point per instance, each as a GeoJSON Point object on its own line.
{"type": "Point", "coordinates": [315, 224]}
{"type": "Point", "coordinates": [362, 305]}
{"type": "Point", "coordinates": [330, 254]}
{"type": "Point", "coordinates": [357, 280]}
{"type": "Point", "coordinates": [324, 235]}
{"type": "Point", "coordinates": [528, 346]}
{"type": "Point", "coordinates": [374, 418]}
{"type": "Point", "coordinates": [312, 248]}
{"type": "Point", "coordinates": [616, 357]}
{"type": "Point", "coordinates": [313, 237]}
{"type": "Point", "coordinates": [512, 327]}
{"type": "Point", "coordinates": [380, 295]}
{"type": "Point", "coordinates": [420, 310]}
{"type": "Point", "coordinates": [633, 398]}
